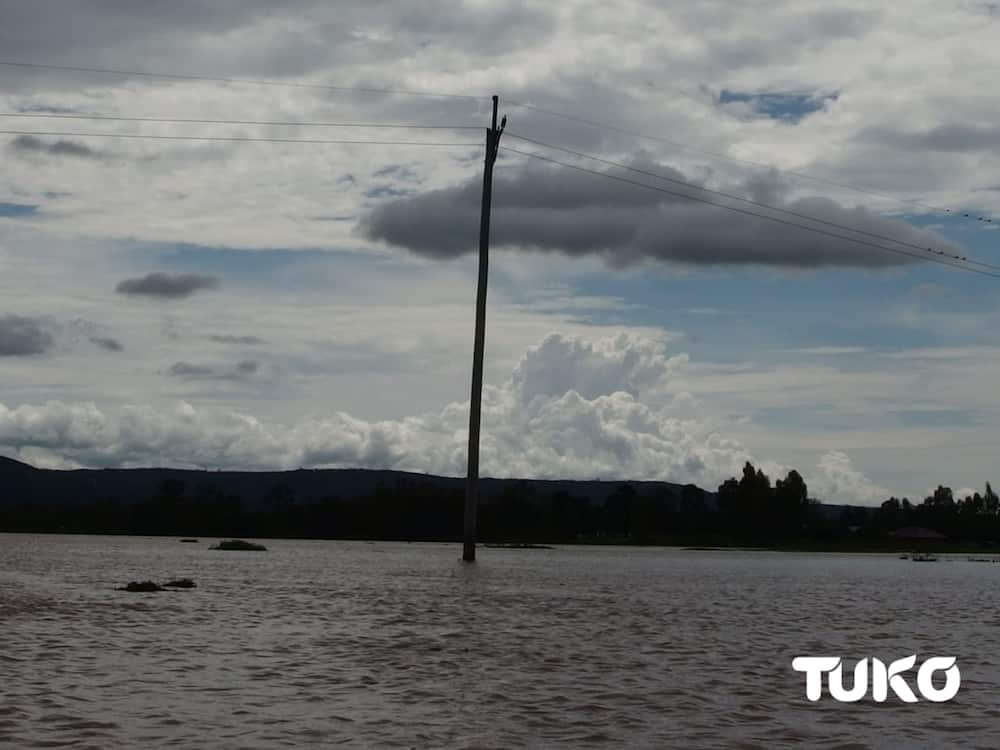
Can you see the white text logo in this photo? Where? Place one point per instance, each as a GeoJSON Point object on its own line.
{"type": "Point", "coordinates": [881, 677]}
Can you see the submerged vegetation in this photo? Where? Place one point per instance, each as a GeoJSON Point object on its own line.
{"type": "Point", "coordinates": [142, 587]}
{"type": "Point", "coordinates": [152, 586]}
{"type": "Point", "coordinates": [239, 545]}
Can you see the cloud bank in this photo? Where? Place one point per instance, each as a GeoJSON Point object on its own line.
{"type": "Point", "coordinates": [837, 480]}
{"type": "Point", "coordinates": [594, 425]}
{"type": "Point", "coordinates": [240, 371]}
{"type": "Point", "coordinates": [22, 336]}
{"type": "Point", "coordinates": [107, 343]}
{"type": "Point", "coordinates": [226, 338]}
{"type": "Point", "coordinates": [166, 285]}
{"type": "Point", "coordinates": [552, 209]}
{"type": "Point", "coordinates": [571, 408]}
{"type": "Point", "coordinates": [29, 144]}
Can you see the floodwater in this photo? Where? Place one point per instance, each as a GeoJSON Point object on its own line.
{"type": "Point", "coordinates": [366, 645]}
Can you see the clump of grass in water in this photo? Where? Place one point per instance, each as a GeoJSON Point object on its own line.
{"type": "Point", "coordinates": [150, 586]}
{"type": "Point", "coordinates": [239, 545]}
{"type": "Point", "coordinates": [141, 587]}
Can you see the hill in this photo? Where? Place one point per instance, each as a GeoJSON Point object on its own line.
{"type": "Point", "coordinates": [21, 483]}
{"type": "Point", "coordinates": [336, 503]}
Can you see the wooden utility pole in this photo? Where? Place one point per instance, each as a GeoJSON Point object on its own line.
{"type": "Point", "coordinates": [476, 401]}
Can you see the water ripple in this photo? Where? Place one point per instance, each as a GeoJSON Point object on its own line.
{"type": "Point", "coordinates": [399, 645]}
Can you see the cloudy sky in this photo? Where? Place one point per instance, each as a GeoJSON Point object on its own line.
{"type": "Point", "coordinates": [252, 304]}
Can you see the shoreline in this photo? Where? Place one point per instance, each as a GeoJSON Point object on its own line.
{"type": "Point", "coordinates": [852, 546]}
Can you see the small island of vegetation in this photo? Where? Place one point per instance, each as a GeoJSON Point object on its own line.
{"type": "Point", "coordinates": [141, 587]}
{"type": "Point", "coordinates": [239, 545]}
{"type": "Point", "coordinates": [149, 587]}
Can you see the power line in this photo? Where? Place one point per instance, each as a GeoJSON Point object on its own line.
{"type": "Point", "coordinates": [238, 138]}
{"type": "Point", "coordinates": [204, 121]}
{"type": "Point", "coordinates": [932, 258]}
{"type": "Point", "coordinates": [748, 201]}
{"type": "Point", "coordinates": [942, 260]}
{"type": "Point", "coordinates": [738, 160]}
{"type": "Point", "coordinates": [421, 126]}
{"type": "Point", "coordinates": [250, 81]}
{"type": "Point", "coordinates": [514, 103]}
{"type": "Point", "coordinates": [941, 255]}
{"type": "Point", "coordinates": [938, 257]}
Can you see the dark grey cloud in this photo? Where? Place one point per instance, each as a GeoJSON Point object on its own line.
{"type": "Point", "coordinates": [189, 370]}
{"type": "Point", "coordinates": [107, 343]}
{"type": "Point", "coordinates": [22, 336]}
{"type": "Point", "coordinates": [167, 285]}
{"type": "Point", "coordinates": [29, 144]}
{"type": "Point", "coordinates": [946, 138]}
{"type": "Point", "coordinates": [192, 36]}
{"type": "Point", "coordinates": [244, 340]}
{"type": "Point", "coordinates": [54, 31]}
{"type": "Point", "coordinates": [242, 370]}
{"type": "Point", "coordinates": [561, 210]}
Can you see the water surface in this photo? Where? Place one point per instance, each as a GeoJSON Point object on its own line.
{"type": "Point", "coordinates": [359, 644]}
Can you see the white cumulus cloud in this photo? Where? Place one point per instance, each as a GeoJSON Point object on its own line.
{"type": "Point", "coordinates": [609, 408]}
{"type": "Point", "coordinates": [570, 408]}
{"type": "Point", "coordinates": [837, 480]}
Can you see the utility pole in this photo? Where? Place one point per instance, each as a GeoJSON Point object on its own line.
{"type": "Point", "coordinates": [476, 401]}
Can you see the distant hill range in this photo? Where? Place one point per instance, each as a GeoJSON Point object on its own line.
{"type": "Point", "coordinates": [382, 504]}
{"type": "Point", "coordinates": [22, 483]}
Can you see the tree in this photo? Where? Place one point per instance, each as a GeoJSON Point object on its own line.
{"type": "Point", "coordinates": [791, 496]}
{"type": "Point", "coordinates": [748, 503]}
{"type": "Point", "coordinates": [990, 500]}
{"type": "Point", "coordinates": [892, 505]}
{"type": "Point", "coordinates": [792, 490]}
{"type": "Point", "coordinates": [942, 498]}
{"type": "Point", "coordinates": [729, 496]}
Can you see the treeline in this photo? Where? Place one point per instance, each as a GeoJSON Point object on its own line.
{"type": "Point", "coordinates": [520, 511]}
{"type": "Point", "coordinates": [752, 509]}
{"type": "Point", "coordinates": [394, 510]}
{"type": "Point", "coordinates": [747, 510]}
{"type": "Point", "coordinates": [404, 510]}
{"type": "Point", "coordinates": [975, 517]}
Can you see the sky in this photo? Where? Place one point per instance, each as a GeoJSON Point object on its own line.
{"type": "Point", "coordinates": [277, 304]}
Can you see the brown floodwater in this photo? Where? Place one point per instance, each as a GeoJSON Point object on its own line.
{"type": "Point", "coordinates": [367, 645]}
